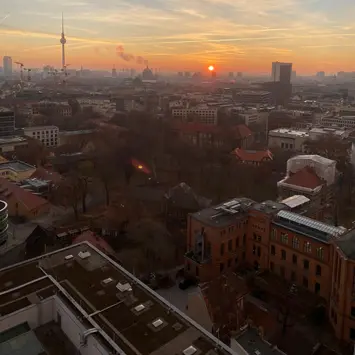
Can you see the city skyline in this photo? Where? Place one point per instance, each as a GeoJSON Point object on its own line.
{"type": "Point", "coordinates": [176, 35]}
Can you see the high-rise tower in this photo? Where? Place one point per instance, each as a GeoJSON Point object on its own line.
{"type": "Point", "coordinates": [63, 41]}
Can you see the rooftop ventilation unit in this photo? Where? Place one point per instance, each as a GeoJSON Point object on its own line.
{"type": "Point", "coordinates": [69, 257]}
{"type": "Point", "coordinates": [107, 281]}
{"type": "Point", "coordinates": [124, 287]}
{"type": "Point", "coordinates": [84, 255]}
{"type": "Point", "coordinates": [139, 308]}
{"type": "Point", "coordinates": [190, 350]}
{"type": "Point", "coordinates": [157, 323]}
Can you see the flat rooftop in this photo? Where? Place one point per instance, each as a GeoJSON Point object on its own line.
{"type": "Point", "coordinates": [224, 214]}
{"type": "Point", "coordinates": [16, 165]}
{"type": "Point", "coordinates": [269, 207]}
{"type": "Point", "coordinates": [130, 316]}
{"type": "Point", "coordinates": [40, 128]}
{"type": "Point", "coordinates": [289, 132]}
{"type": "Point", "coordinates": [13, 140]}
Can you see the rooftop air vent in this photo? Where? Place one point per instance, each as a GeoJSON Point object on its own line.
{"type": "Point", "coordinates": [107, 281]}
{"type": "Point", "coordinates": [69, 257]}
{"type": "Point", "coordinates": [190, 350]}
{"type": "Point", "coordinates": [124, 287]}
{"type": "Point", "coordinates": [157, 323]}
{"type": "Point", "coordinates": [84, 255]}
{"type": "Point", "coordinates": [139, 308]}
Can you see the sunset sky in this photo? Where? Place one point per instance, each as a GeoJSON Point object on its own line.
{"type": "Point", "coordinates": [234, 35]}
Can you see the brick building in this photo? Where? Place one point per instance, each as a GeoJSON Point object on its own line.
{"type": "Point", "coordinates": [315, 256]}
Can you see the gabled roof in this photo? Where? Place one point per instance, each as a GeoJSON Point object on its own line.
{"type": "Point", "coordinates": [27, 198]}
{"type": "Point", "coordinates": [47, 175]}
{"type": "Point", "coordinates": [252, 155]}
{"type": "Point", "coordinates": [305, 177]}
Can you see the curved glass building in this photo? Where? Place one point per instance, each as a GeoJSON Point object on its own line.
{"type": "Point", "coordinates": [3, 222]}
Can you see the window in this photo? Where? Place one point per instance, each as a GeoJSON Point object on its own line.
{"type": "Point", "coordinates": [273, 252]}
{"type": "Point", "coordinates": [188, 266]}
{"type": "Point", "coordinates": [236, 243]}
{"type": "Point", "coordinates": [244, 239]}
{"type": "Point", "coordinates": [284, 238]}
{"type": "Point", "coordinates": [236, 261]}
{"type": "Point", "coordinates": [272, 266]}
{"type": "Point", "coordinates": [221, 267]}
{"type": "Point", "coordinates": [254, 249]}
{"type": "Point", "coordinates": [254, 236]}
{"type": "Point", "coordinates": [243, 255]}
{"type": "Point", "coordinates": [305, 282]}
{"type": "Point", "coordinates": [294, 259]}
{"type": "Point", "coordinates": [197, 271]}
{"type": "Point", "coordinates": [229, 262]}
{"type": "Point", "coordinates": [295, 243]}
{"type": "Point", "coordinates": [352, 333]}
{"type": "Point", "coordinates": [353, 312]}
{"type": "Point", "coordinates": [305, 264]}
{"type": "Point", "coordinates": [222, 249]}
{"type": "Point", "coordinates": [259, 252]}
{"type": "Point", "coordinates": [230, 245]}
{"type": "Point", "coordinates": [273, 234]}
{"type": "Point", "coordinates": [259, 238]}
{"type": "Point", "coordinates": [283, 254]}
{"type": "Point", "coordinates": [320, 253]}
{"type": "Point", "coordinates": [307, 247]}
{"type": "Point", "coordinates": [293, 276]}
{"type": "Point", "coordinates": [318, 270]}
{"type": "Point", "coordinates": [317, 288]}
{"type": "Point", "coordinates": [282, 272]}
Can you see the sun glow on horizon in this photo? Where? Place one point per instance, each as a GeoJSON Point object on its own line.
{"type": "Point", "coordinates": [211, 68]}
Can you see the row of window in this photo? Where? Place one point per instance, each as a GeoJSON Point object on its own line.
{"type": "Point", "coordinates": [287, 145]}
{"type": "Point", "coordinates": [295, 260]}
{"type": "Point", "coordinates": [293, 277]}
{"type": "Point", "coordinates": [307, 246]}
{"type": "Point", "coordinates": [230, 244]}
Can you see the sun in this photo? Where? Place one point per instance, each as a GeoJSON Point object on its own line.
{"type": "Point", "coordinates": [211, 68]}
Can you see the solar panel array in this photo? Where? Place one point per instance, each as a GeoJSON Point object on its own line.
{"type": "Point", "coordinates": [311, 223]}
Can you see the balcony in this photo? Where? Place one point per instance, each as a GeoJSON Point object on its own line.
{"type": "Point", "coordinates": [197, 257]}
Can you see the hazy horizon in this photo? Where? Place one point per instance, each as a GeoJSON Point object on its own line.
{"type": "Point", "coordinates": [246, 36]}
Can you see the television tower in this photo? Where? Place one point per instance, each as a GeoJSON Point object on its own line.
{"type": "Point", "coordinates": [63, 41]}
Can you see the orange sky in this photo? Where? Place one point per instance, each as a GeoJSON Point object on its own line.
{"type": "Point", "coordinates": [234, 35]}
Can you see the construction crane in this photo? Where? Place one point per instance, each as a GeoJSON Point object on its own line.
{"type": "Point", "coordinates": [21, 65]}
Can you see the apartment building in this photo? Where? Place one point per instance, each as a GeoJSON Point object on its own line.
{"type": "Point", "coordinates": [313, 255]}
{"type": "Point", "coordinates": [203, 114]}
{"type": "Point", "coordinates": [48, 135]}
{"type": "Point", "coordinates": [338, 121]}
{"type": "Point", "coordinates": [288, 139]}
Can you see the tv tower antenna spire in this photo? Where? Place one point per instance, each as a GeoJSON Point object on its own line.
{"type": "Point", "coordinates": [63, 41]}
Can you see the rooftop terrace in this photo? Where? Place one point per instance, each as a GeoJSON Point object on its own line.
{"type": "Point", "coordinates": [131, 318]}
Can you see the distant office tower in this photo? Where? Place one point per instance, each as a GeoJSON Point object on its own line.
{"type": "Point", "coordinates": [293, 75]}
{"type": "Point", "coordinates": [180, 74]}
{"type": "Point", "coordinates": [239, 74]}
{"type": "Point", "coordinates": [214, 74]}
{"type": "Point", "coordinates": [187, 74]}
{"type": "Point", "coordinates": [320, 75]}
{"type": "Point", "coordinates": [7, 64]}
{"type": "Point", "coordinates": [281, 72]}
{"type": "Point", "coordinates": [7, 123]}
{"type": "Point", "coordinates": [231, 74]}
{"type": "Point", "coordinates": [132, 73]}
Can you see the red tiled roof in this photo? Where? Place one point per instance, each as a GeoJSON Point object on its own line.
{"type": "Point", "coordinates": [252, 155]}
{"type": "Point", "coordinates": [95, 240]}
{"type": "Point", "coordinates": [305, 177]}
{"type": "Point", "coordinates": [27, 198]}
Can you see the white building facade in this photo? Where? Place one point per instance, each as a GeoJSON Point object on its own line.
{"type": "Point", "coordinates": [47, 135]}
